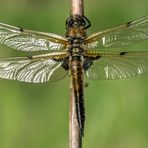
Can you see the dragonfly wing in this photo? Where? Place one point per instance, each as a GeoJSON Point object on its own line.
{"type": "Point", "coordinates": [117, 65]}
{"type": "Point", "coordinates": [37, 69]}
{"type": "Point", "coordinates": [119, 36]}
{"type": "Point", "coordinates": [27, 40]}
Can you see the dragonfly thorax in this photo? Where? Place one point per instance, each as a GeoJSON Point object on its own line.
{"type": "Point", "coordinates": [76, 26]}
{"type": "Point", "coordinates": [75, 32]}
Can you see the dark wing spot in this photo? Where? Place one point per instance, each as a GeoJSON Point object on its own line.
{"type": "Point", "coordinates": [122, 53]}
{"type": "Point", "coordinates": [88, 61]}
{"type": "Point", "coordinates": [86, 84]}
{"type": "Point", "coordinates": [21, 29]}
{"type": "Point", "coordinates": [129, 23]}
{"type": "Point", "coordinates": [30, 57]}
{"type": "Point", "coordinates": [65, 64]}
{"type": "Point", "coordinates": [97, 57]}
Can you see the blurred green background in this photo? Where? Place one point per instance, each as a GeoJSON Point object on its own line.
{"type": "Point", "coordinates": [36, 115]}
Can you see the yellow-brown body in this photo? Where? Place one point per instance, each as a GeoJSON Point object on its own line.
{"type": "Point", "coordinates": [76, 34]}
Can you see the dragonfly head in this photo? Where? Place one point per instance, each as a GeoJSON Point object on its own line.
{"type": "Point", "coordinates": [77, 22]}
{"type": "Point", "coordinates": [76, 26]}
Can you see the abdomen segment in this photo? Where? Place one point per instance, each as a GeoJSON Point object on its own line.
{"type": "Point", "coordinates": [77, 73]}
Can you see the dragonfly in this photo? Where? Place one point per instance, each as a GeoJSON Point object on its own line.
{"type": "Point", "coordinates": [77, 54]}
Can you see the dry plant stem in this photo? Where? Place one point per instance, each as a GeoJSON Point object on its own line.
{"type": "Point", "coordinates": [77, 7]}
{"type": "Point", "coordinates": [75, 140]}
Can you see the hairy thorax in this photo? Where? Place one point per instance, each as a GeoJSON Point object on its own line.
{"type": "Point", "coordinates": [76, 32]}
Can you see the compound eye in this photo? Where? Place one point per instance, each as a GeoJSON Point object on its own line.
{"type": "Point", "coordinates": [77, 21]}
{"type": "Point", "coordinates": [81, 21]}
{"type": "Point", "coordinates": [67, 22]}
{"type": "Point", "coordinates": [70, 22]}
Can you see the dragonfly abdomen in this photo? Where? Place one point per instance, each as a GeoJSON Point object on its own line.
{"type": "Point", "coordinates": [77, 73]}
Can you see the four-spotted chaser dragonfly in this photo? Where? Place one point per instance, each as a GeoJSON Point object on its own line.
{"type": "Point", "coordinates": [76, 53]}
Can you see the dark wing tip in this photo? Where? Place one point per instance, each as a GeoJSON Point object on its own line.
{"type": "Point", "coordinates": [21, 29]}
{"type": "Point", "coordinates": [129, 23]}
{"type": "Point", "coordinates": [123, 53]}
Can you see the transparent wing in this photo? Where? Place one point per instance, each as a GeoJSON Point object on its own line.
{"type": "Point", "coordinates": [27, 40]}
{"type": "Point", "coordinates": [37, 69]}
{"type": "Point", "coordinates": [119, 36]}
{"type": "Point", "coordinates": [117, 65]}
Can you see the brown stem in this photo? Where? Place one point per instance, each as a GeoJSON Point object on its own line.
{"type": "Point", "coordinates": [75, 139]}
{"type": "Point", "coordinates": [77, 7]}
